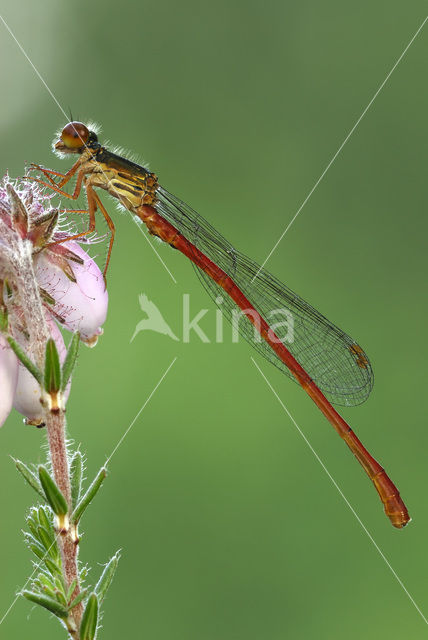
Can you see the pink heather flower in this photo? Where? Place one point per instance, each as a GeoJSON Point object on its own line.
{"type": "Point", "coordinates": [64, 271]}
{"type": "Point", "coordinates": [80, 305]}
{"type": "Point", "coordinates": [67, 281]}
{"type": "Point", "coordinates": [8, 378]}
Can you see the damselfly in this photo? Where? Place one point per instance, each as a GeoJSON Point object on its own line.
{"type": "Point", "coordinates": [326, 362]}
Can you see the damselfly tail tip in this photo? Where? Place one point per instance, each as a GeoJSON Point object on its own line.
{"type": "Point", "coordinates": [399, 520]}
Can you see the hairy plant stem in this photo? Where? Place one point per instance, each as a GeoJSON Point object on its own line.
{"type": "Point", "coordinates": [20, 271]}
{"type": "Point", "coordinates": [25, 320]}
{"type": "Point", "coordinates": [67, 540]}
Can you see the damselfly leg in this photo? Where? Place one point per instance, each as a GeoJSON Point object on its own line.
{"type": "Point", "coordinates": [92, 198]}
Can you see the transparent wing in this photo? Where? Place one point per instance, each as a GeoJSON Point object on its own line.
{"type": "Point", "coordinates": [338, 366]}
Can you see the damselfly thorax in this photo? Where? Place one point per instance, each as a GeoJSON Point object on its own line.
{"type": "Point", "coordinates": [126, 181]}
{"type": "Point", "coordinates": [131, 184]}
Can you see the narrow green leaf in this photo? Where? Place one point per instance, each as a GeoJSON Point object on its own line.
{"type": "Point", "coordinates": [44, 572]}
{"type": "Point", "coordinates": [52, 566]}
{"type": "Point", "coordinates": [29, 476]}
{"type": "Point", "coordinates": [32, 527]}
{"type": "Point", "coordinates": [89, 495]}
{"type": "Point", "coordinates": [52, 377]}
{"type": "Point", "coordinates": [59, 594]}
{"type": "Point", "coordinates": [21, 355]}
{"type": "Point", "coordinates": [37, 585]}
{"type": "Point", "coordinates": [49, 592]}
{"type": "Point", "coordinates": [61, 585]}
{"type": "Point", "coordinates": [48, 543]}
{"type": "Point", "coordinates": [40, 553]}
{"type": "Point", "coordinates": [88, 626]}
{"type": "Point", "coordinates": [33, 513]}
{"type": "Point", "coordinates": [46, 536]}
{"type": "Point", "coordinates": [107, 577]}
{"type": "Point", "coordinates": [70, 360]}
{"type": "Point", "coordinates": [52, 493]}
{"type": "Point", "coordinates": [77, 599]}
{"type": "Point", "coordinates": [71, 589]}
{"type": "Point", "coordinates": [4, 319]}
{"type": "Point", "coordinates": [76, 474]}
{"type": "Point", "coordinates": [33, 539]}
{"type": "Point", "coordinates": [44, 520]}
{"type": "Point", "coordinates": [45, 581]}
{"type": "Point", "coordinates": [48, 603]}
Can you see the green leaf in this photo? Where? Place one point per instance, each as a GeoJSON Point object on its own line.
{"type": "Point", "coordinates": [48, 543]}
{"type": "Point", "coordinates": [70, 360]}
{"type": "Point", "coordinates": [76, 473]}
{"type": "Point", "coordinates": [32, 520]}
{"type": "Point", "coordinates": [48, 603]}
{"type": "Point", "coordinates": [77, 599]}
{"type": "Point", "coordinates": [40, 553]}
{"type": "Point", "coordinates": [33, 539]}
{"type": "Point", "coordinates": [88, 626]}
{"type": "Point", "coordinates": [22, 356]}
{"type": "Point", "coordinates": [29, 476]}
{"type": "Point", "coordinates": [49, 592]}
{"type": "Point", "coordinates": [59, 594]}
{"type": "Point", "coordinates": [71, 589]}
{"type": "Point", "coordinates": [52, 566]}
{"type": "Point", "coordinates": [46, 536]}
{"type": "Point", "coordinates": [107, 577]}
{"type": "Point", "coordinates": [52, 377]}
{"type": "Point", "coordinates": [4, 319]}
{"type": "Point", "coordinates": [44, 520]}
{"type": "Point", "coordinates": [60, 585]}
{"type": "Point", "coordinates": [53, 495]}
{"type": "Point", "coordinates": [89, 495]}
{"type": "Point", "coordinates": [45, 581]}
{"type": "Point", "coordinates": [32, 526]}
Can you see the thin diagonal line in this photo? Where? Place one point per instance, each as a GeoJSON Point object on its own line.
{"type": "Point", "coordinates": [36, 71]}
{"type": "Point", "coordinates": [381, 86]}
{"type": "Point", "coordinates": [107, 462]}
{"type": "Point", "coordinates": [39, 75]}
{"type": "Point", "coordinates": [36, 568]}
{"type": "Point", "coordinates": [139, 225]}
{"type": "Point", "coordinates": [378, 549]}
{"type": "Point", "coordinates": [139, 412]}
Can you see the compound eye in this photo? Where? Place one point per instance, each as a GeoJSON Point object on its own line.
{"type": "Point", "coordinates": [75, 135]}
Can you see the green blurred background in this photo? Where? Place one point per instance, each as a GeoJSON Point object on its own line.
{"type": "Point", "coordinates": [230, 529]}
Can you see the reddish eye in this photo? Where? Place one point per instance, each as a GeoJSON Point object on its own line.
{"type": "Point", "coordinates": [75, 135]}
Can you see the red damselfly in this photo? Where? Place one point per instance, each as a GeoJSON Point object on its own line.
{"type": "Point", "coordinates": [330, 366]}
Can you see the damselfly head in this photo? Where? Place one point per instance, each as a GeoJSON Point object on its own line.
{"type": "Point", "coordinates": [74, 138]}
